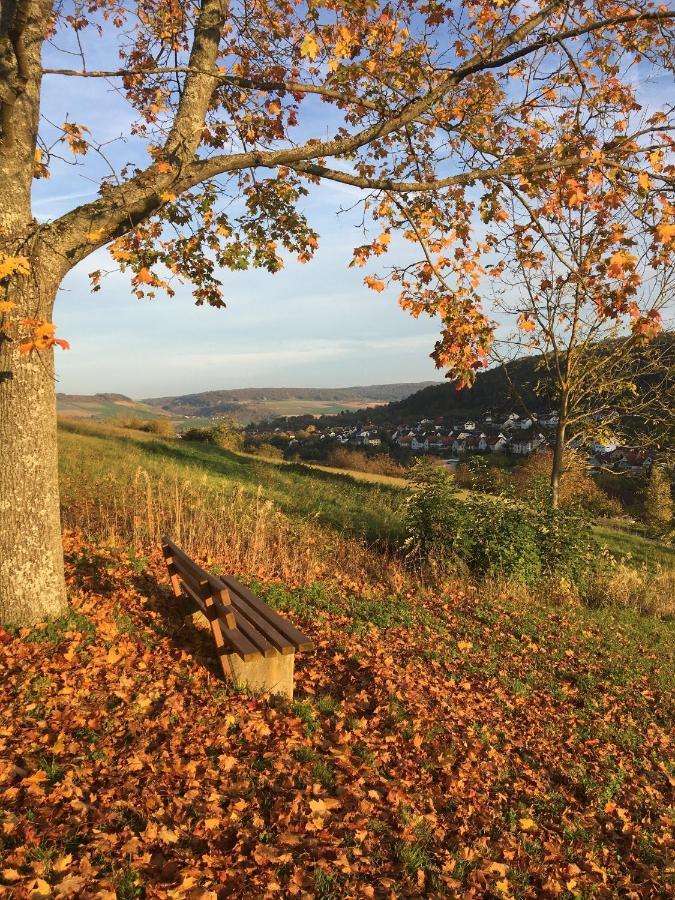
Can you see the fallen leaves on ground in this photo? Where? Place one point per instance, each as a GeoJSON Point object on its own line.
{"type": "Point", "coordinates": [451, 745]}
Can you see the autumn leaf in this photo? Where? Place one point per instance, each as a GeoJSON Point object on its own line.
{"type": "Point", "coordinates": [374, 283]}
{"type": "Point", "coordinates": [309, 46]}
{"type": "Point", "coordinates": [620, 262]}
{"type": "Point", "coordinates": [528, 825]}
{"type": "Point", "coordinates": [144, 276]}
{"type": "Point", "coordinates": [7, 306]}
{"type": "Point", "coordinates": [525, 323]}
{"type": "Point", "coordinates": [13, 265]}
{"type": "Point", "coordinates": [666, 232]}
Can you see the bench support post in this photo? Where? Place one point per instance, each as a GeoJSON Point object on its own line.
{"type": "Point", "coordinates": [267, 675]}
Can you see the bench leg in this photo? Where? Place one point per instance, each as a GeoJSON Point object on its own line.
{"type": "Point", "coordinates": [268, 675]}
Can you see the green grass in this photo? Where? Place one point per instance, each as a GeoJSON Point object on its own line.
{"type": "Point", "coordinates": [632, 547]}
{"type": "Point", "coordinates": [357, 504]}
{"type": "Point", "coordinates": [358, 508]}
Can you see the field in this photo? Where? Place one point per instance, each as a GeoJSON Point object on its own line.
{"type": "Point", "coordinates": [103, 406]}
{"type": "Point", "coordinates": [447, 740]}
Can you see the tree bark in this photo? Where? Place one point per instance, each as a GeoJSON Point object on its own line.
{"type": "Point", "coordinates": [32, 585]}
{"type": "Point", "coordinates": [559, 453]}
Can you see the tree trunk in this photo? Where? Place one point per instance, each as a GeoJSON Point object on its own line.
{"type": "Point", "coordinates": [32, 586]}
{"type": "Point", "coordinates": [559, 454]}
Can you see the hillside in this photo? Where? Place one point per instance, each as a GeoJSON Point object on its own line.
{"type": "Point", "coordinates": [104, 406]}
{"type": "Point", "coordinates": [252, 404]}
{"type": "Point", "coordinates": [245, 404]}
{"type": "Point", "coordinates": [462, 741]}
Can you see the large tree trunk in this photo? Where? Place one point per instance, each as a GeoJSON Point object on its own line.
{"type": "Point", "coordinates": [32, 586]}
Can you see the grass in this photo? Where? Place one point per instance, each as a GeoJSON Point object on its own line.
{"type": "Point", "coordinates": [356, 504]}
{"type": "Point", "coordinates": [103, 453]}
{"type": "Point", "coordinates": [632, 547]}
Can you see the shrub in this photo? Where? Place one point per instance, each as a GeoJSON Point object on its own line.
{"type": "Point", "coordinates": [495, 536]}
{"type": "Point", "coordinates": [163, 427]}
{"type": "Point", "coordinates": [377, 464]}
{"type": "Point", "coordinates": [498, 537]}
{"type": "Point", "coordinates": [531, 482]}
{"type": "Point", "coordinates": [223, 434]}
{"type": "Point", "coordinates": [478, 474]}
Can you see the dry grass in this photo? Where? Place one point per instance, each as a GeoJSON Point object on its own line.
{"type": "Point", "coordinates": [650, 592]}
{"type": "Point", "coordinates": [244, 534]}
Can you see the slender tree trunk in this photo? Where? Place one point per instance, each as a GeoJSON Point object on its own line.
{"type": "Point", "coordinates": [32, 586]}
{"type": "Point", "coordinates": [559, 453]}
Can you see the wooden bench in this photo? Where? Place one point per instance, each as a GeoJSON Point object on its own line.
{"type": "Point", "coordinates": [255, 645]}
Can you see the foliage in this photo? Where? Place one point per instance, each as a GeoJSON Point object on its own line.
{"type": "Point", "coordinates": [531, 482]}
{"type": "Point", "coordinates": [496, 536]}
{"type": "Point", "coordinates": [376, 463]}
{"type": "Point", "coordinates": [224, 180]}
{"type": "Point", "coordinates": [160, 426]}
{"type": "Point", "coordinates": [658, 500]}
{"type": "Point", "coordinates": [225, 434]}
{"type": "Point", "coordinates": [478, 473]}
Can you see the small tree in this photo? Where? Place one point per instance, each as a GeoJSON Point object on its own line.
{"type": "Point", "coordinates": [658, 500]}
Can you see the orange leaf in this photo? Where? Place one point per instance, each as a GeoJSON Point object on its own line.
{"type": "Point", "coordinates": [374, 283]}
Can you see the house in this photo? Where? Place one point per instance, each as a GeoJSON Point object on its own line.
{"type": "Point", "coordinates": [527, 442]}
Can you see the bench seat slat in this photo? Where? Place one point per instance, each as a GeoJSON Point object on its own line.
{"type": "Point", "coordinates": [272, 635]}
{"type": "Point", "coordinates": [240, 644]}
{"type": "Point", "coordinates": [252, 634]}
{"type": "Point", "coordinates": [297, 639]}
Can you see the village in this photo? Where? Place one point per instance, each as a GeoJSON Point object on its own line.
{"type": "Point", "coordinates": [510, 435]}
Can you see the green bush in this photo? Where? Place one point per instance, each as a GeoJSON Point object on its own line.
{"type": "Point", "coordinates": [223, 434]}
{"type": "Point", "coordinates": [495, 536]}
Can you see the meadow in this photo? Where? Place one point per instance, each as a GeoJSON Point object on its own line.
{"type": "Point", "coordinates": [126, 484]}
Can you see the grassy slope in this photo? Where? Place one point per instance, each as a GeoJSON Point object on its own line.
{"type": "Point", "coordinates": [454, 742]}
{"type": "Point", "coordinates": [360, 508]}
{"type": "Point", "coordinates": [360, 503]}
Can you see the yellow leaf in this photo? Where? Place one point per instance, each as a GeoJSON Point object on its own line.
{"type": "Point", "coordinates": [62, 863]}
{"type": "Point", "coordinates": [6, 306]}
{"type": "Point", "coordinates": [168, 836]}
{"type": "Point", "coordinates": [374, 283]}
{"type": "Point", "coordinates": [10, 875]}
{"type": "Point", "coordinates": [666, 233]}
{"type": "Point", "coordinates": [39, 888]}
{"type": "Point", "coordinates": [644, 181]}
{"type": "Point", "coordinates": [95, 236]}
{"type": "Point", "coordinates": [464, 645]}
{"type": "Point", "coordinates": [13, 265]}
{"type": "Point", "coordinates": [211, 824]}
{"type": "Point", "coordinates": [309, 47]}
{"type": "Point", "coordinates": [167, 197]}
{"type": "Point", "coordinates": [528, 825]}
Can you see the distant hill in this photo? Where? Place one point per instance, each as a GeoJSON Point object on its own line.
{"type": "Point", "coordinates": [491, 392]}
{"type": "Point", "coordinates": [243, 404]}
{"type": "Point", "coordinates": [254, 404]}
{"type": "Point", "coordinates": [104, 406]}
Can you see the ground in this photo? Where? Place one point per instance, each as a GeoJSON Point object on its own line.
{"type": "Point", "coordinates": [456, 744]}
